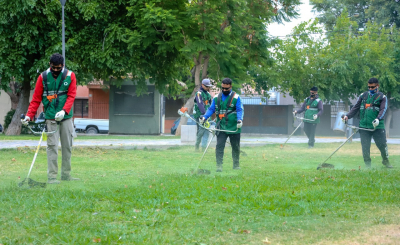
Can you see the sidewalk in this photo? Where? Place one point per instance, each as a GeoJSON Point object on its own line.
{"type": "Point", "coordinates": [166, 143]}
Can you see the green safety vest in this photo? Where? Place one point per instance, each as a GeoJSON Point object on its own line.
{"type": "Point", "coordinates": [226, 113]}
{"type": "Point", "coordinates": [369, 110]}
{"type": "Point", "coordinates": [311, 110]}
{"type": "Point", "coordinates": [51, 87]}
{"type": "Point", "coordinates": [206, 98]}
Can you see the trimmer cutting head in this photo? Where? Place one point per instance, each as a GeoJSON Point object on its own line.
{"type": "Point", "coordinates": [31, 183]}
{"type": "Point", "coordinates": [325, 165]}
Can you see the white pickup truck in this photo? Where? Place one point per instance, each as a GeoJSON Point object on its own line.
{"type": "Point", "coordinates": [91, 126]}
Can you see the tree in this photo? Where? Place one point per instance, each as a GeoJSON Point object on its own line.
{"type": "Point", "coordinates": [227, 36]}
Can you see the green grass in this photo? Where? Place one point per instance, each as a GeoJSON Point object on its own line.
{"type": "Point", "coordinates": [90, 137]}
{"type": "Point", "coordinates": [150, 197]}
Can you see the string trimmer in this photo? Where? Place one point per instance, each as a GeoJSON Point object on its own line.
{"type": "Point", "coordinates": [301, 118]}
{"type": "Point", "coordinates": [183, 113]}
{"type": "Point", "coordinates": [29, 181]}
{"type": "Point", "coordinates": [327, 165]}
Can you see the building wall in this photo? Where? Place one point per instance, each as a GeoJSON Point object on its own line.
{"type": "Point", "coordinates": [99, 103]}
{"type": "Point", "coordinates": [82, 92]}
{"type": "Point", "coordinates": [5, 105]}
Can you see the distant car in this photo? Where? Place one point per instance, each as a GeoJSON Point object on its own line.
{"type": "Point", "coordinates": [91, 126]}
{"type": "Point", "coordinates": [176, 124]}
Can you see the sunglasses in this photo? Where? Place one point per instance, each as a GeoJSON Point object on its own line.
{"type": "Point", "coordinates": [56, 68]}
{"type": "Point", "coordinates": [371, 87]}
{"type": "Point", "coordinates": [226, 88]}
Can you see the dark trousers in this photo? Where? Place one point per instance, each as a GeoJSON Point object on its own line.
{"type": "Point", "coordinates": [379, 137]}
{"type": "Point", "coordinates": [235, 143]}
{"type": "Point", "coordinates": [309, 129]}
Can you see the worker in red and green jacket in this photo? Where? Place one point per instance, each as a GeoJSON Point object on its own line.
{"type": "Point", "coordinates": [56, 89]}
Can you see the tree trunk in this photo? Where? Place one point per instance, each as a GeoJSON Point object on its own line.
{"type": "Point", "coordinates": [190, 102]}
{"type": "Point", "coordinates": [23, 102]}
{"type": "Point", "coordinates": [14, 94]}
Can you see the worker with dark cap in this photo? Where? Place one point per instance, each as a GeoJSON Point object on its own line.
{"type": "Point", "coordinates": [313, 108]}
{"type": "Point", "coordinates": [202, 102]}
{"type": "Point", "coordinates": [372, 106]}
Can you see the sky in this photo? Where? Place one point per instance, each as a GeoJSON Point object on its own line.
{"type": "Point", "coordinates": [286, 28]}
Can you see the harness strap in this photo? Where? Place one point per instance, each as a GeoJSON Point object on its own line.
{"type": "Point", "coordinates": [229, 102]}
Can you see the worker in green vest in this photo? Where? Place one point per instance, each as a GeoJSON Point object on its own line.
{"type": "Point", "coordinates": [56, 89]}
{"type": "Point", "coordinates": [313, 108]}
{"type": "Point", "coordinates": [228, 108]}
{"type": "Point", "coordinates": [202, 102]}
{"type": "Point", "coordinates": [372, 106]}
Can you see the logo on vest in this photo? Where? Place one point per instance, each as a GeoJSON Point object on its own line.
{"type": "Point", "coordinates": [65, 83]}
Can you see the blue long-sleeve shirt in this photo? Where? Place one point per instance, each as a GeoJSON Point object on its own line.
{"type": "Point", "coordinates": [239, 107]}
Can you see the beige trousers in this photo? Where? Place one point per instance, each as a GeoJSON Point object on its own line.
{"type": "Point", "coordinates": [65, 135]}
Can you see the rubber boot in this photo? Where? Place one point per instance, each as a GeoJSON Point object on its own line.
{"type": "Point", "coordinates": [219, 167]}
{"type": "Point", "coordinates": [387, 163]}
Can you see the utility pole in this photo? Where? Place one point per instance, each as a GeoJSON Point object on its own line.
{"type": "Point", "coordinates": [63, 29]}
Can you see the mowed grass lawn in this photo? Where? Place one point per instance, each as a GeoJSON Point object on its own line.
{"type": "Point", "coordinates": [150, 197]}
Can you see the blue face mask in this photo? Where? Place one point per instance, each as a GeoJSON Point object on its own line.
{"type": "Point", "coordinates": [373, 91]}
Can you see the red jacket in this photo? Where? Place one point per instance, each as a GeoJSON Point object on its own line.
{"type": "Point", "coordinates": [38, 95]}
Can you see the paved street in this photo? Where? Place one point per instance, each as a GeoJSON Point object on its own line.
{"type": "Point", "coordinates": [166, 143]}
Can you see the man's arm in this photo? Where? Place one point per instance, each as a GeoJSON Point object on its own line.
{"type": "Point", "coordinates": [320, 108]}
{"type": "Point", "coordinates": [36, 99]}
{"type": "Point", "coordinates": [199, 103]}
{"type": "Point", "coordinates": [303, 107]}
{"type": "Point", "coordinates": [382, 108]}
{"type": "Point", "coordinates": [71, 94]}
{"type": "Point", "coordinates": [355, 108]}
{"type": "Point", "coordinates": [210, 110]}
{"type": "Point", "coordinates": [239, 109]}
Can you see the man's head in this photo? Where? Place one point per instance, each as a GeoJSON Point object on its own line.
{"type": "Point", "coordinates": [226, 86]}
{"type": "Point", "coordinates": [373, 85]}
{"type": "Point", "coordinates": [313, 92]}
{"type": "Point", "coordinates": [56, 64]}
{"type": "Point", "coordinates": [206, 84]}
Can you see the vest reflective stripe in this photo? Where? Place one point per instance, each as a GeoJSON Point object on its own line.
{"type": "Point", "coordinates": [53, 92]}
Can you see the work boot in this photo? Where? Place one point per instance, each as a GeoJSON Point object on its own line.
{"type": "Point", "coordinates": [69, 178]}
{"type": "Point", "coordinates": [53, 181]}
{"type": "Point", "coordinates": [219, 168]}
{"type": "Point", "coordinates": [387, 164]}
{"type": "Point", "coordinates": [310, 147]}
{"type": "Point", "coordinates": [368, 164]}
{"type": "Point", "coordinates": [236, 166]}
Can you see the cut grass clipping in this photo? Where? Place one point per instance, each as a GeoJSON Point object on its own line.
{"type": "Point", "coordinates": [150, 197]}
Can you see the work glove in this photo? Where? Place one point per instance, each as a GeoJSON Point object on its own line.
{"type": "Point", "coordinates": [315, 116]}
{"type": "Point", "coordinates": [201, 120]}
{"type": "Point", "coordinates": [344, 118]}
{"type": "Point", "coordinates": [239, 123]}
{"type": "Point", "coordinates": [375, 123]}
{"type": "Point", "coordinates": [25, 121]}
{"type": "Point", "coordinates": [294, 113]}
{"type": "Point", "coordinates": [60, 115]}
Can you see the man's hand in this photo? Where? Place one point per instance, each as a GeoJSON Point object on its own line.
{"type": "Point", "coordinates": [201, 120]}
{"type": "Point", "coordinates": [294, 113]}
{"type": "Point", "coordinates": [344, 118]}
{"type": "Point", "coordinates": [315, 116]}
{"type": "Point", "coordinates": [25, 121]}
{"type": "Point", "coordinates": [375, 123]}
{"type": "Point", "coordinates": [60, 115]}
{"type": "Point", "coordinates": [239, 123]}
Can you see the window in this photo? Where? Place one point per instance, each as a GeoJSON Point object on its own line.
{"type": "Point", "coordinates": [127, 102]}
{"type": "Point", "coordinates": [81, 108]}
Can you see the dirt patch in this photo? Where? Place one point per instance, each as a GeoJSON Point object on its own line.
{"type": "Point", "coordinates": [380, 234]}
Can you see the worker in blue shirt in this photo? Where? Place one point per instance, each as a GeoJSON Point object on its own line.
{"type": "Point", "coordinates": [228, 108]}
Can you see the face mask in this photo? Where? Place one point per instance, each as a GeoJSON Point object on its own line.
{"type": "Point", "coordinates": [55, 73]}
{"type": "Point", "coordinates": [373, 91]}
{"type": "Point", "coordinates": [226, 92]}
{"type": "Point", "coordinates": [312, 95]}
